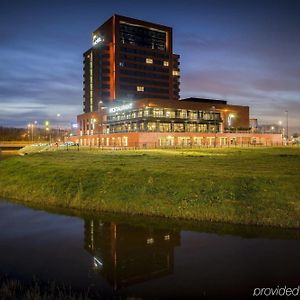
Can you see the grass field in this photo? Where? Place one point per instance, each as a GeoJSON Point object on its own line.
{"type": "Point", "coordinates": [248, 186]}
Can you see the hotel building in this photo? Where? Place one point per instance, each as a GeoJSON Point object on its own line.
{"type": "Point", "coordinates": [131, 95]}
{"type": "Point", "coordinates": [129, 60]}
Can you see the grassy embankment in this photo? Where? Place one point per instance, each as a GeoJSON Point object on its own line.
{"type": "Point", "coordinates": [248, 186]}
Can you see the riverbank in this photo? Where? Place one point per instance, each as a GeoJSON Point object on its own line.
{"type": "Point", "coordinates": [244, 186]}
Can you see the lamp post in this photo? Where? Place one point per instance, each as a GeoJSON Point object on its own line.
{"type": "Point", "coordinates": [48, 130]}
{"type": "Point", "coordinates": [34, 124]}
{"type": "Point", "coordinates": [30, 130]}
{"type": "Point", "coordinates": [30, 127]}
{"type": "Point", "coordinates": [280, 124]}
{"type": "Point", "coordinates": [287, 125]}
{"type": "Point", "coordinates": [58, 115]}
{"type": "Point", "coordinates": [215, 126]}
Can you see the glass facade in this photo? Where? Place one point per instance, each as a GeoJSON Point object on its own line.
{"type": "Point", "coordinates": [142, 36]}
{"type": "Point", "coordinates": [163, 120]}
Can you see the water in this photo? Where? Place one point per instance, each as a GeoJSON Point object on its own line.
{"type": "Point", "coordinates": [145, 257]}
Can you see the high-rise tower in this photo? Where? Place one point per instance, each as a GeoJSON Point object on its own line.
{"type": "Point", "coordinates": [129, 60]}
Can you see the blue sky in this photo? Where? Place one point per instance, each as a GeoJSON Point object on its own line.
{"type": "Point", "coordinates": [247, 52]}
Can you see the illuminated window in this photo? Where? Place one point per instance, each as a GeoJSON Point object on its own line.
{"type": "Point", "coordinates": [166, 63]}
{"type": "Point", "coordinates": [175, 73]}
{"type": "Point", "coordinates": [183, 114]}
{"type": "Point", "coordinates": [150, 241]}
{"type": "Point", "coordinates": [170, 114]}
{"type": "Point", "coordinates": [125, 141]}
{"type": "Point", "coordinates": [149, 60]}
{"type": "Point", "coordinates": [158, 112]}
{"type": "Point", "coordinates": [140, 88]}
{"type": "Point", "coordinates": [151, 126]}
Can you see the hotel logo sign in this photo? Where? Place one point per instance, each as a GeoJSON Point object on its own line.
{"type": "Point", "coordinates": [97, 39]}
{"type": "Point", "coordinates": [120, 108]}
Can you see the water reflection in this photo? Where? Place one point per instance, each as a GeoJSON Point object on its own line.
{"type": "Point", "coordinates": [127, 255]}
{"type": "Point", "coordinates": [141, 257]}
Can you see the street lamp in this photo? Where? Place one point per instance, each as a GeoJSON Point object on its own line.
{"type": "Point", "coordinates": [58, 115]}
{"type": "Point", "coordinates": [287, 125]}
{"type": "Point", "coordinates": [280, 124]}
{"type": "Point", "coordinates": [36, 131]}
{"type": "Point", "coordinates": [215, 126]}
{"type": "Point", "coordinates": [30, 128]}
{"type": "Point", "coordinates": [48, 130]}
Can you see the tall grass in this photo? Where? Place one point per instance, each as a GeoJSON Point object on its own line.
{"type": "Point", "coordinates": [246, 186]}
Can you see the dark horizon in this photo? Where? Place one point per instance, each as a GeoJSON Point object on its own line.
{"type": "Point", "coordinates": [247, 53]}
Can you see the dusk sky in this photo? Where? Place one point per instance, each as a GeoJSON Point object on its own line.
{"type": "Point", "coordinates": [246, 52]}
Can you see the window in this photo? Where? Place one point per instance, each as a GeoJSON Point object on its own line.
{"type": "Point", "coordinates": [183, 114]}
{"type": "Point", "coordinates": [198, 141]}
{"type": "Point", "coordinates": [149, 60]}
{"type": "Point", "coordinates": [193, 115]}
{"type": "Point", "coordinates": [170, 114]}
{"type": "Point", "coordinates": [165, 127]}
{"type": "Point", "coordinates": [166, 63]}
{"type": "Point", "coordinates": [202, 127]}
{"type": "Point", "coordinates": [125, 141]}
{"type": "Point", "coordinates": [140, 88]}
{"type": "Point", "coordinates": [151, 126]}
{"type": "Point", "coordinates": [178, 127]}
{"type": "Point", "coordinates": [165, 142]}
{"type": "Point", "coordinates": [158, 112]}
{"type": "Point", "coordinates": [191, 127]}
{"type": "Point", "coordinates": [176, 73]}
{"type": "Point", "coordinates": [184, 141]}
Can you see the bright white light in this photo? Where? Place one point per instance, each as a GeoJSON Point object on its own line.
{"type": "Point", "coordinates": [74, 125]}
{"type": "Point", "coordinates": [150, 241]}
{"type": "Point", "coordinates": [229, 119]}
{"type": "Point", "coordinates": [97, 40]}
{"type": "Point", "coordinates": [97, 262]}
{"type": "Point", "coordinates": [120, 108]}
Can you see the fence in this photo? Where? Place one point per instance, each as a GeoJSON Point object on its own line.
{"type": "Point", "coordinates": [141, 146]}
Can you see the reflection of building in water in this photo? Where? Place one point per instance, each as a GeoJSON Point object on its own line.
{"type": "Point", "coordinates": [126, 254]}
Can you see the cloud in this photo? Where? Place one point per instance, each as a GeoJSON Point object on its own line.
{"type": "Point", "coordinates": [274, 84]}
